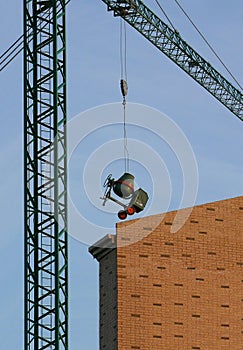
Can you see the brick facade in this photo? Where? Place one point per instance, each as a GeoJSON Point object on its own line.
{"type": "Point", "coordinates": [174, 291]}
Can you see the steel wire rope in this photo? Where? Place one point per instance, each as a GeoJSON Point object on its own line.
{"type": "Point", "coordinates": [165, 14]}
{"type": "Point", "coordinates": [123, 65]}
{"type": "Point", "coordinates": [11, 46]}
{"type": "Point", "coordinates": [10, 51]}
{"type": "Point", "coordinates": [123, 47]}
{"type": "Point", "coordinates": [14, 47]}
{"type": "Point", "coordinates": [208, 44]}
{"type": "Point", "coordinates": [202, 36]}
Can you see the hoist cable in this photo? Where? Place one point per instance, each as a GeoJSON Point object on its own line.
{"type": "Point", "coordinates": [13, 51]}
{"type": "Point", "coordinates": [126, 153]}
{"type": "Point", "coordinates": [123, 49]}
{"type": "Point", "coordinates": [123, 63]}
{"type": "Point", "coordinates": [208, 44]}
{"type": "Point", "coordinates": [166, 16]}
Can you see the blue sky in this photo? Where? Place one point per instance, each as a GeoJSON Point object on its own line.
{"type": "Point", "coordinates": [213, 132]}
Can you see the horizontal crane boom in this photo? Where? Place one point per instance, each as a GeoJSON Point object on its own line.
{"type": "Point", "coordinates": [172, 45]}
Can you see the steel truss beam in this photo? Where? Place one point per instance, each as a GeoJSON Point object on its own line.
{"type": "Point", "coordinates": [46, 250]}
{"type": "Point", "coordinates": [172, 45]}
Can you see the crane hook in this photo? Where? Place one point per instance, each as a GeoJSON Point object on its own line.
{"type": "Point", "coordinates": [124, 89]}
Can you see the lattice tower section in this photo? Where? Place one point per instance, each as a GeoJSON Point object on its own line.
{"type": "Point", "coordinates": [46, 255]}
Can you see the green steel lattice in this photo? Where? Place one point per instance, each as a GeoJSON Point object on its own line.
{"type": "Point", "coordinates": [46, 255]}
{"type": "Point", "coordinates": [172, 45]}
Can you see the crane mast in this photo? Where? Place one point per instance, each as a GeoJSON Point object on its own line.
{"type": "Point", "coordinates": [46, 256]}
{"type": "Point", "coordinates": [172, 45]}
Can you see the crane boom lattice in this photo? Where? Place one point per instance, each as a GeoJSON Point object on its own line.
{"type": "Point", "coordinates": [172, 45]}
{"type": "Point", "coordinates": [46, 280]}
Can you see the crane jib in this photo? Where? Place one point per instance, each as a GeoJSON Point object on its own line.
{"type": "Point", "coordinates": [173, 46]}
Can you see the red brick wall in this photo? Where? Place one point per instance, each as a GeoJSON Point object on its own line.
{"type": "Point", "coordinates": [182, 290]}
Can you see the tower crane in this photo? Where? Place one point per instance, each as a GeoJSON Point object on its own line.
{"type": "Point", "coordinates": [45, 175]}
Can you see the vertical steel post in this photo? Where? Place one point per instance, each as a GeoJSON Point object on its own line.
{"type": "Point", "coordinates": [45, 176]}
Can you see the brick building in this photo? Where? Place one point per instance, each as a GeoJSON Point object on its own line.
{"type": "Point", "coordinates": [183, 290]}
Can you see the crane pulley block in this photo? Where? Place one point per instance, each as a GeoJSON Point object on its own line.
{"type": "Point", "coordinates": [124, 87]}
